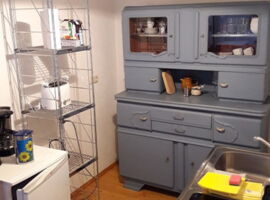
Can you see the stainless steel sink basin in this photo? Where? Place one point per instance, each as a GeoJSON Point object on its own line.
{"type": "Point", "coordinates": [243, 162]}
{"type": "Point", "coordinates": [254, 164]}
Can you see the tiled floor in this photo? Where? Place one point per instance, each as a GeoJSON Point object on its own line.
{"type": "Point", "coordinates": [110, 188]}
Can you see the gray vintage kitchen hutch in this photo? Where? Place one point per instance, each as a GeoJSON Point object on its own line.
{"type": "Point", "coordinates": [163, 139]}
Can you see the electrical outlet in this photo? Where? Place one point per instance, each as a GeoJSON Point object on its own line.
{"type": "Point", "coordinates": [95, 79]}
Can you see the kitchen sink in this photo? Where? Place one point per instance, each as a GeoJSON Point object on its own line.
{"type": "Point", "coordinates": [255, 165]}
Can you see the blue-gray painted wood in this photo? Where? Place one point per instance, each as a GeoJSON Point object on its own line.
{"type": "Point", "coordinates": [169, 55]}
{"type": "Point", "coordinates": [145, 79]}
{"type": "Point", "coordinates": [192, 21]}
{"type": "Point", "coordinates": [188, 131]}
{"type": "Point", "coordinates": [181, 117]}
{"type": "Point", "coordinates": [195, 155]}
{"type": "Point", "coordinates": [237, 130]}
{"type": "Point", "coordinates": [187, 29]}
{"type": "Point", "coordinates": [134, 116]}
{"type": "Point", "coordinates": [199, 66]}
{"type": "Point", "coordinates": [133, 184]}
{"type": "Point", "coordinates": [207, 103]}
{"type": "Point", "coordinates": [148, 130]}
{"type": "Point", "coordinates": [179, 168]}
{"type": "Point", "coordinates": [246, 86]}
{"type": "Point", "coordinates": [147, 159]}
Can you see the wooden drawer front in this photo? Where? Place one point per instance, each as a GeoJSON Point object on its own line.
{"type": "Point", "coordinates": [146, 79]}
{"type": "Point", "coordinates": [181, 117]}
{"type": "Point", "coordinates": [134, 116]}
{"type": "Point", "coordinates": [246, 86]}
{"type": "Point", "coordinates": [237, 130]}
{"type": "Point", "coordinates": [182, 130]}
{"type": "Point", "coordinates": [145, 158]}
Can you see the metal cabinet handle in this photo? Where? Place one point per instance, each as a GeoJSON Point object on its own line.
{"type": "Point", "coordinates": [178, 117]}
{"type": "Point", "coordinates": [224, 85]}
{"type": "Point", "coordinates": [167, 159]}
{"type": "Point", "coordinates": [170, 36]}
{"type": "Point", "coordinates": [220, 129]}
{"type": "Point", "coordinates": [153, 80]}
{"type": "Point", "coordinates": [192, 164]}
{"type": "Point", "coordinates": [177, 130]}
{"type": "Point", "coordinates": [202, 35]}
{"type": "Point", "coordinates": [144, 118]}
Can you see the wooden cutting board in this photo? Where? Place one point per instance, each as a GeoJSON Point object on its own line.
{"type": "Point", "coordinates": [168, 82]}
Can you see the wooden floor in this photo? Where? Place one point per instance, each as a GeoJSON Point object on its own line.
{"type": "Point", "coordinates": [111, 188]}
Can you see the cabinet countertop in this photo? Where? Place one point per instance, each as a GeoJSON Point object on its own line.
{"type": "Point", "coordinates": [206, 102]}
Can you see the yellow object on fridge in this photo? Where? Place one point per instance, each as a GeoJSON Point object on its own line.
{"type": "Point", "coordinates": [219, 183]}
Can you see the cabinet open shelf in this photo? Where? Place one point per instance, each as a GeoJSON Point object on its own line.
{"type": "Point", "coordinates": [40, 50]}
{"type": "Point", "coordinates": [234, 35]}
{"type": "Point", "coordinates": [78, 162]}
{"type": "Point", "coordinates": [74, 108]}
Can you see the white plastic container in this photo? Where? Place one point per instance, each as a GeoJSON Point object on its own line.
{"type": "Point", "coordinates": [50, 95]}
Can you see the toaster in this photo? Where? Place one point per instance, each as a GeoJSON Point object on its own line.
{"type": "Point", "coordinates": [50, 95]}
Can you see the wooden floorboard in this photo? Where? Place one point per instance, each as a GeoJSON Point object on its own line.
{"type": "Point", "coordinates": [111, 188]}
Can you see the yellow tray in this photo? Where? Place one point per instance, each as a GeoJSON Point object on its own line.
{"type": "Point", "coordinates": [214, 182]}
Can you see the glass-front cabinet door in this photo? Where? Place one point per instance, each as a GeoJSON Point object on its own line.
{"type": "Point", "coordinates": [236, 35]}
{"type": "Point", "coordinates": [149, 35]}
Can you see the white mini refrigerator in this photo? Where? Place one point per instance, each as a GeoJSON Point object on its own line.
{"type": "Point", "coordinates": [45, 178]}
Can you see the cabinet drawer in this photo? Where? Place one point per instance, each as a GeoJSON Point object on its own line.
{"type": "Point", "coordinates": [237, 130]}
{"type": "Point", "coordinates": [134, 116]}
{"type": "Point", "coordinates": [146, 79]}
{"type": "Point", "coordinates": [181, 117]}
{"type": "Point", "coordinates": [182, 130]}
{"type": "Point", "coordinates": [246, 86]}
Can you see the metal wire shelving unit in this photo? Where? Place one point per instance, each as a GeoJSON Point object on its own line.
{"type": "Point", "coordinates": [71, 127]}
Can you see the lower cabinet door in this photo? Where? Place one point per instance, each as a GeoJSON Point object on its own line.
{"type": "Point", "coordinates": [146, 159]}
{"type": "Point", "coordinates": [194, 157]}
{"type": "Point", "coordinates": [179, 166]}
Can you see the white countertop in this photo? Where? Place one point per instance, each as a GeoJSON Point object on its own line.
{"type": "Point", "coordinates": [13, 173]}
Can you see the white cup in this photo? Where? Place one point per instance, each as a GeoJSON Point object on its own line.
{"type": "Point", "coordinates": [249, 51]}
{"type": "Point", "coordinates": [238, 51]}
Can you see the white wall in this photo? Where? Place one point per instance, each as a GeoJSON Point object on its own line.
{"type": "Point", "coordinates": [4, 81]}
{"type": "Point", "coordinates": [104, 58]}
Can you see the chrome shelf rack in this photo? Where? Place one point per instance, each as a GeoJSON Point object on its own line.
{"type": "Point", "coordinates": [69, 127]}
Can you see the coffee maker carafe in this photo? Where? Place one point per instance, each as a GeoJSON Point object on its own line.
{"type": "Point", "coordinates": [6, 133]}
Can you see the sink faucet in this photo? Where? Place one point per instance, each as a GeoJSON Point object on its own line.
{"type": "Point", "coordinates": [262, 141]}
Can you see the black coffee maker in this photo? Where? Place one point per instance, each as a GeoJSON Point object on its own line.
{"type": "Point", "coordinates": [6, 133]}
